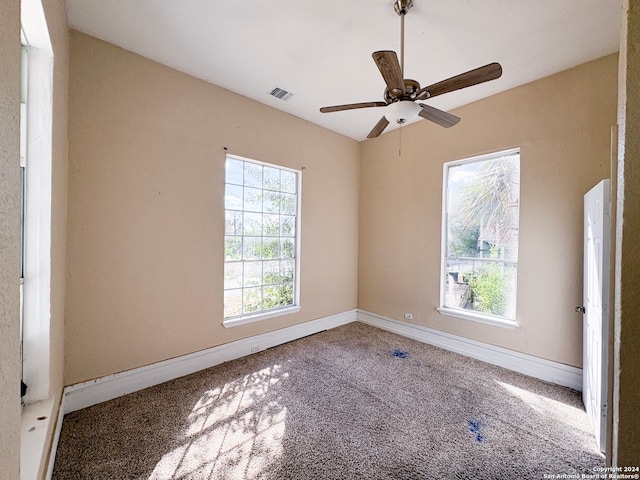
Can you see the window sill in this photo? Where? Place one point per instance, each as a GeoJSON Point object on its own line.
{"type": "Point", "coordinates": [36, 427]}
{"type": "Point", "coordinates": [235, 322]}
{"type": "Point", "coordinates": [478, 317]}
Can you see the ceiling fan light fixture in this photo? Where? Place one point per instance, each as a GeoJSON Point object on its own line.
{"type": "Point", "coordinates": [402, 112]}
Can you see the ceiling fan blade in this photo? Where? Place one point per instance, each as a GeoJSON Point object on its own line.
{"type": "Point", "coordinates": [379, 128]}
{"type": "Point", "coordinates": [351, 106]}
{"type": "Point", "coordinates": [443, 119]}
{"type": "Point", "coordinates": [464, 80]}
{"type": "Point", "coordinates": [387, 62]}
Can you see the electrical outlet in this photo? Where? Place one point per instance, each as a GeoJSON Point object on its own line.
{"type": "Point", "coordinates": [408, 316]}
{"type": "Point", "coordinates": [255, 348]}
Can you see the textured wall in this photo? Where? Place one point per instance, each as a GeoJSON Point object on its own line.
{"type": "Point", "coordinates": [626, 421]}
{"type": "Point", "coordinates": [9, 239]}
{"type": "Point", "coordinates": [145, 210]}
{"type": "Point", "coordinates": [562, 125]}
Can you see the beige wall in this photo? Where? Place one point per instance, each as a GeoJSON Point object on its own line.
{"type": "Point", "coordinates": [9, 238]}
{"type": "Point", "coordinates": [145, 206]}
{"type": "Point", "coordinates": [626, 420]}
{"type": "Point", "coordinates": [562, 125]}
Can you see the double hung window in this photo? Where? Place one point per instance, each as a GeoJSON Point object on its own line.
{"type": "Point", "coordinates": [261, 239]}
{"type": "Point", "coordinates": [480, 237]}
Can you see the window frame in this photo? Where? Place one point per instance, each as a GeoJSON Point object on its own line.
{"type": "Point", "coordinates": [260, 315]}
{"type": "Point", "coordinates": [37, 56]}
{"type": "Point", "coordinates": [481, 317]}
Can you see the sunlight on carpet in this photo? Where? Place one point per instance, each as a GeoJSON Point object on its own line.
{"type": "Point", "coordinates": [228, 433]}
{"type": "Point", "coordinates": [550, 408]}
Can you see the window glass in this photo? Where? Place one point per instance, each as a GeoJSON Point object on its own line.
{"type": "Point", "coordinates": [480, 233]}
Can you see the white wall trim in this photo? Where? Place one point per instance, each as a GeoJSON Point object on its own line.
{"type": "Point", "coordinates": [36, 429]}
{"type": "Point", "coordinates": [90, 393]}
{"type": "Point", "coordinates": [56, 439]}
{"type": "Point", "coordinates": [550, 371]}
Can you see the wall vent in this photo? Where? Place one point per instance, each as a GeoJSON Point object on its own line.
{"type": "Point", "coordinates": [280, 93]}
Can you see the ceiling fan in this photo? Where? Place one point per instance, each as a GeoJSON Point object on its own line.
{"type": "Point", "coordinates": [402, 94]}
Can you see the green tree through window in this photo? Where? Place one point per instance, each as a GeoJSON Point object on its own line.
{"type": "Point", "coordinates": [261, 213]}
{"type": "Point", "coordinates": [481, 201]}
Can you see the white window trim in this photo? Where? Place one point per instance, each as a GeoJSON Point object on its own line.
{"type": "Point", "coordinates": [37, 219]}
{"type": "Point", "coordinates": [479, 317]}
{"type": "Point", "coordinates": [296, 307]}
{"type": "Point", "coordinates": [237, 321]}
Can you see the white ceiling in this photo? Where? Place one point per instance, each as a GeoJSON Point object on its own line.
{"type": "Point", "coordinates": [320, 50]}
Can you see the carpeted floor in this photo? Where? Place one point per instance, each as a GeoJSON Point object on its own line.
{"type": "Point", "coordinates": [354, 402]}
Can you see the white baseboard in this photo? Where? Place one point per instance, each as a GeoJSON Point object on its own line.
{"type": "Point", "coordinates": [528, 364]}
{"type": "Point", "coordinates": [90, 393]}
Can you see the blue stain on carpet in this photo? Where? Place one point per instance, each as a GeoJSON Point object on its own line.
{"type": "Point", "coordinates": [474, 427]}
{"type": "Point", "coordinates": [400, 354]}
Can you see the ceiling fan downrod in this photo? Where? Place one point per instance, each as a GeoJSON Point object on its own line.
{"type": "Point", "coordinates": [402, 7]}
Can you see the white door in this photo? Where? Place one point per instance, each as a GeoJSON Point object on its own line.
{"type": "Point", "coordinates": [596, 308]}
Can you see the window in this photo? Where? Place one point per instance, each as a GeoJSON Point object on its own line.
{"type": "Point", "coordinates": [36, 201]}
{"type": "Point", "coordinates": [481, 198]}
{"type": "Point", "coordinates": [261, 240]}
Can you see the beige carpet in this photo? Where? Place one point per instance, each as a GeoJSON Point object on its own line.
{"type": "Point", "coordinates": [354, 402]}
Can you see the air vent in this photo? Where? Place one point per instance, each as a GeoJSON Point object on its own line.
{"type": "Point", "coordinates": [280, 93]}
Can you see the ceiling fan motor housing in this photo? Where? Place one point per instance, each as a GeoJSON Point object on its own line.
{"type": "Point", "coordinates": [411, 87]}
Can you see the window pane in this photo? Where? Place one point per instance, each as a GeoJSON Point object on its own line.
{"type": "Point", "coordinates": [287, 248]}
{"type": "Point", "coordinates": [252, 274]}
{"type": "Point", "coordinates": [252, 224]}
{"type": "Point", "coordinates": [232, 223]}
{"type": "Point", "coordinates": [232, 275]}
{"type": "Point", "coordinates": [233, 171]}
{"type": "Point", "coordinates": [252, 248]}
{"type": "Point", "coordinates": [286, 294]}
{"type": "Point", "coordinates": [233, 195]}
{"type": "Point", "coordinates": [232, 303]}
{"type": "Point", "coordinates": [252, 175]}
{"type": "Point", "coordinates": [288, 182]}
{"type": "Point", "coordinates": [252, 300]}
{"type": "Point", "coordinates": [485, 287]}
{"type": "Point", "coordinates": [287, 226]}
{"type": "Point", "coordinates": [272, 178]}
{"type": "Point", "coordinates": [271, 273]}
{"type": "Point", "coordinates": [252, 200]}
{"type": "Point", "coordinates": [288, 204]}
{"type": "Point", "coordinates": [287, 270]}
{"type": "Point", "coordinates": [482, 209]}
{"type": "Point", "coordinates": [270, 248]}
{"type": "Point", "coordinates": [232, 248]}
{"type": "Point", "coordinates": [271, 202]}
{"type": "Point", "coordinates": [271, 297]}
{"type": "Point", "coordinates": [271, 225]}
